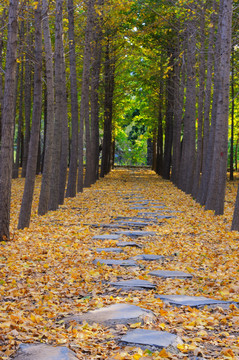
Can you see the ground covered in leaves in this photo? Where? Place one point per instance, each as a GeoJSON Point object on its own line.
{"type": "Point", "coordinates": [47, 272]}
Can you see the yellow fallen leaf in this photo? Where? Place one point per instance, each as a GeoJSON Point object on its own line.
{"type": "Point", "coordinates": [163, 354]}
{"type": "Point", "coordinates": [135, 325]}
{"type": "Point", "coordinates": [186, 347]}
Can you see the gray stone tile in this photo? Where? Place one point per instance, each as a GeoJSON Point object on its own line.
{"type": "Point", "coordinates": [136, 233]}
{"type": "Point", "coordinates": [150, 338]}
{"type": "Point", "coordinates": [106, 237]}
{"type": "Point", "coordinates": [115, 262]}
{"type": "Point", "coordinates": [134, 284]}
{"type": "Point", "coordinates": [192, 301]}
{"type": "Point", "coordinates": [135, 218]}
{"type": "Point", "coordinates": [171, 274]}
{"type": "Point", "coordinates": [134, 223]}
{"type": "Point", "coordinates": [138, 207]}
{"type": "Point", "coordinates": [148, 257]}
{"type": "Point", "coordinates": [44, 352]}
{"type": "Point", "coordinates": [113, 249]}
{"type": "Point", "coordinates": [114, 314]}
{"type": "Point", "coordinates": [128, 243]}
{"type": "Point", "coordinates": [156, 215]}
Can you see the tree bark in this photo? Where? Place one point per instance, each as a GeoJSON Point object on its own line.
{"type": "Point", "coordinates": [200, 96]}
{"type": "Point", "coordinates": [71, 186]}
{"type": "Point", "coordinates": [188, 150]}
{"type": "Point", "coordinates": [217, 183]}
{"type": "Point", "coordinates": [64, 138]}
{"type": "Point", "coordinates": [25, 212]}
{"type": "Point", "coordinates": [46, 176]}
{"type": "Point", "coordinates": [20, 113]}
{"type": "Point", "coordinates": [28, 101]}
{"type": "Point", "coordinates": [109, 74]}
{"type": "Point", "coordinates": [6, 153]}
{"type": "Point", "coordinates": [232, 114]}
{"type": "Point", "coordinates": [56, 153]}
{"type": "Point", "coordinates": [169, 120]}
{"type": "Point", "coordinates": [208, 133]}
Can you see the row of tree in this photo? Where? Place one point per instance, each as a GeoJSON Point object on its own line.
{"type": "Point", "coordinates": [74, 72]}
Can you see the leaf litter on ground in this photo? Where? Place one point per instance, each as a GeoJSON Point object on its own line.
{"type": "Point", "coordinates": [47, 272]}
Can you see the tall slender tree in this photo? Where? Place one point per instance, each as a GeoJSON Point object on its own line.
{"type": "Point", "coordinates": [6, 153]}
{"type": "Point", "coordinates": [50, 114]}
{"type": "Point", "coordinates": [217, 183]}
{"type": "Point", "coordinates": [25, 212]}
{"type": "Point", "coordinates": [72, 177]}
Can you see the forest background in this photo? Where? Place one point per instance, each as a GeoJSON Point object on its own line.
{"type": "Point", "coordinates": [86, 84]}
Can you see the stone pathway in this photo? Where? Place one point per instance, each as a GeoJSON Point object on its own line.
{"type": "Point", "coordinates": [128, 313]}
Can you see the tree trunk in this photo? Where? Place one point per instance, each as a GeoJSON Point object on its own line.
{"type": "Point", "coordinates": [46, 176]}
{"type": "Point", "coordinates": [200, 96]}
{"type": "Point", "coordinates": [64, 138]}
{"type": "Point", "coordinates": [159, 160]}
{"type": "Point", "coordinates": [71, 186]}
{"type": "Point", "coordinates": [109, 74]}
{"type": "Point", "coordinates": [6, 153]}
{"type": "Point", "coordinates": [208, 133]}
{"type": "Point", "coordinates": [232, 114]}
{"type": "Point", "coordinates": [1, 61]}
{"type": "Point", "coordinates": [95, 81]}
{"type": "Point", "coordinates": [56, 152]}
{"type": "Point", "coordinates": [169, 121]}
{"type": "Point", "coordinates": [179, 86]}
{"type": "Point", "coordinates": [25, 212]}
{"type": "Point", "coordinates": [20, 116]}
{"type": "Point", "coordinates": [28, 103]}
{"type": "Point", "coordinates": [216, 190]}
{"type": "Point", "coordinates": [188, 150]}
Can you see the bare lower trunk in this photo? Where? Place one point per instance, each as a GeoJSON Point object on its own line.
{"type": "Point", "coordinates": [46, 176]}
{"type": "Point", "coordinates": [56, 152]}
{"type": "Point", "coordinates": [25, 212]}
{"type": "Point", "coordinates": [217, 183]}
{"type": "Point", "coordinates": [71, 186]}
{"type": "Point", "coordinates": [8, 123]}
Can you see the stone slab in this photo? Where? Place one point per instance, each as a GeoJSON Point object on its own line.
{"type": "Point", "coordinates": [156, 216]}
{"type": "Point", "coordinates": [113, 249]}
{"type": "Point", "coordinates": [134, 223]}
{"type": "Point", "coordinates": [150, 338]}
{"type": "Point", "coordinates": [135, 218]}
{"type": "Point", "coordinates": [139, 207]}
{"type": "Point", "coordinates": [115, 262]}
{"type": "Point", "coordinates": [44, 352]}
{"type": "Point", "coordinates": [128, 243]}
{"type": "Point", "coordinates": [148, 257]}
{"type": "Point", "coordinates": [106, 237]}
{"type": "Point", "coordinates": [134, 285]}
{"type": "Point", "coordinates": [136, 233]}
{"type": "Point", "coordinates": [114, 314]}
{"type": "Point", "coordinates": [171, 274]}
{"type": "Point", "coordinates": [192, 301]}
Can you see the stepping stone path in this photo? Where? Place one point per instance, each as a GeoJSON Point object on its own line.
{"type": "Point", "coordinates": [115, 262]}
{"type": "Point", "coordinates": [113, 315]}
{"type": "Point", "coordinates": [128, 243]}
{"type": "Point", "coordinates": [157, 216]}
{"type": "Point", "coordinates": [134, 285]}
{"type": "Point", "coordinates": [44, 352]}
{"type": "Point", "coordinates": [106, 237]}
{"type": "Point", "coordinates": [192, 301]}
{"type": "Point", "coordinates": [133, 234]}
{"type": "Point", "coordinates": [148, 257]}
{"type": "Point", "coordinates": [116, 250]}
{"type": "Point", "coordinates": [150, 339]}
{"type": "Point", "coordinates": [126, 314]}
{"type": "Point", "coordinates": [171, 274]}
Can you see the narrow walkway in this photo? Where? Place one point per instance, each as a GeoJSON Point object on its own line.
{"type": "Point", "coordinates": [132, 268]}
